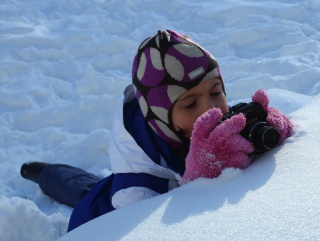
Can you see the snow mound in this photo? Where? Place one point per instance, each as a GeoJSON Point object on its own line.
{"type": "Point", "coordinates": [276, 198]}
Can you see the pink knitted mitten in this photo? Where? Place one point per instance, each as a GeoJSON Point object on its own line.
{"type": "Point", "coordinates": [215, 147]}
{"type": "Point", "coordinates": [275, 118]}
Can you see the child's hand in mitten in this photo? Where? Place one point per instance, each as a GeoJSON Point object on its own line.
{"type": "Point", "coordinates": [215, 147]}
{"type": "Point", "coordinates": [275, 118]}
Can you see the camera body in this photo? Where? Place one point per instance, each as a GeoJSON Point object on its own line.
{"type": "Point", "coordinates": [257, 131]}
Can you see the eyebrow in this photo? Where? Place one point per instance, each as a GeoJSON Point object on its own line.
{"type": "Point", "coordinates": [192, 95]}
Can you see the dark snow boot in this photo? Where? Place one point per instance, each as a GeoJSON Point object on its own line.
{"type": "Point", "coordinates": [31, 170]}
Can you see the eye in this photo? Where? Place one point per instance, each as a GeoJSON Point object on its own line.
{"type": "Point", "coordinates": [216, 93]}
{"type": "Point", "coordinates": [190, 106]}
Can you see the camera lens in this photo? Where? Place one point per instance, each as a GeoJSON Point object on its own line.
{"type": "Point", "coordinates": [262, 136]}
{"type": "Point", "coordinates": [270, 137]}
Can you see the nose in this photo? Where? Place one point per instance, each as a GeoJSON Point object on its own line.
{"type": "Point", "coordinates": [208, 105]}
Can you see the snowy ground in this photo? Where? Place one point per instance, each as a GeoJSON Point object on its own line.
{"type": "Point", "coordinates": [64, 65]}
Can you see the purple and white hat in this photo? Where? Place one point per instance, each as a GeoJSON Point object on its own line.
{"type": "Point", "coordinates": [167, 65]}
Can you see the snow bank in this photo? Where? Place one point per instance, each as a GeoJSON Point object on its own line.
{"type": "Point", "coordinates": [276, 198]}
{"type": "Point", "coordinates": [21, 219]}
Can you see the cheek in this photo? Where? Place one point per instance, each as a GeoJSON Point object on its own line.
{"type": "Point", "coordinates": [185, 123]}
{"type": "Point", "coordinates": [189, 127]}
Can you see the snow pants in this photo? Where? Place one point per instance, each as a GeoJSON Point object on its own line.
{"type": "Point", "coordinates": [66, 184]}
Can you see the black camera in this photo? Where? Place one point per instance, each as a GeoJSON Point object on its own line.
{"type": "Point", "coordinates": [262, 136]}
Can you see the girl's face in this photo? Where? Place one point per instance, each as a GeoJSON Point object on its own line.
{"type": "Point", "coordinates": [196, 101]}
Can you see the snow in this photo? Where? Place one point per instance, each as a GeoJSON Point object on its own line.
{"type": "Point", "coordinates": [64, 65]}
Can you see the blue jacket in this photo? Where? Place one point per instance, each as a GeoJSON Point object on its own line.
{"type": "Point", "coordinates": [143, 166]}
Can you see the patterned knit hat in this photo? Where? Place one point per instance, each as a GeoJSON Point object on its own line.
{"type": "Point", "coordinates": [166, 66]}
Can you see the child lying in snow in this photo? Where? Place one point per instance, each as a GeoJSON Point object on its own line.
{"type": "Point", "coordinates": [166, 133]}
